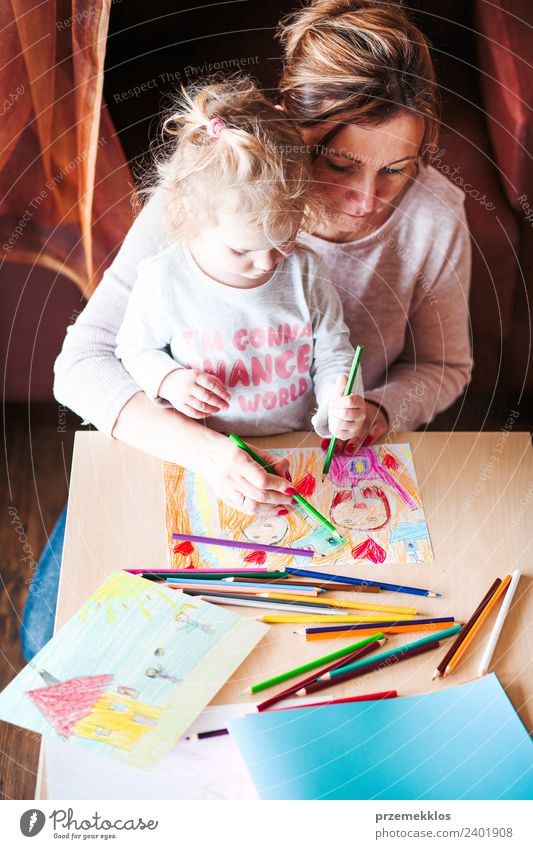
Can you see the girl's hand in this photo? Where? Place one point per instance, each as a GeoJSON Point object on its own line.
{"type": "Point", "coordinates": [375, 426]}
{"type": "Point", "coordinates": [346, 413]}
{"type": "Point", "coordinates": [194, 393]}
{"type": "Point", "coordinates": [242, 483]}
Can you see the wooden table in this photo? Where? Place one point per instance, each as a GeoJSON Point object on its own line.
{"type": "Point", "coordinates": [477, 492]}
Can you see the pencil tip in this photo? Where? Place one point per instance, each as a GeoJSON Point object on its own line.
{"type": "Point", "coordinates": [247, 692]}
{"type": "Point", "coordinates": [300, 693]}
{"type": "Point", "coordinates": [436, 674]}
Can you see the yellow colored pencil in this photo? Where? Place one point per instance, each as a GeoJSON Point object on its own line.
{"type": "Point", "coordinates": [479, 622]}
{"type": "Point", "coordinates": [331, 617]}
{"type": "Point", "coordinates": [347, 605]}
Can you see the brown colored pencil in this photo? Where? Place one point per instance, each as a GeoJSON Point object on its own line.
{"type": "Point", "coordinates": [465, 629]}
{"type": "Point", "coordinates": [370, 667]}
{"type": "Point", "coordinates": [356, 655]}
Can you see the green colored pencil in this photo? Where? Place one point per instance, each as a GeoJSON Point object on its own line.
{"type": "Point", "coordinates": [349, 386]}
{"type": "Point", "coordinates": [297, 497]}
{"type": "Point", "coordinates": [358, 664]}
{"type": "Point", "coordinates": [319, 661]}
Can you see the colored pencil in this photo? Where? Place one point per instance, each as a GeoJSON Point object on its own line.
{"type": "Point", "coordinates": [441, 668]}
{"type": "Point", "coordinates": [386, 623]}
{"type": "Point", "coordinates": [206, 735]}
{"type": "Point", "coordinates": [306, 667]}
{"type": "Point", "coordinates": [321, 587]}
{"type": "Point", "coordinates": [411, 628]}
{"type": "Point", "coordinates": [253, 601]}
{"type": "Point", "coordinates": [477, 624]}
{"type": "Point", "coordinates": [348, 388]}
{"type": "Point", "coordinates": [431, 638]}
{"type": "Point", "coordinates": [233, 543]}
{"type": "Point", "coordinates": [332, 617]}
{"type": "Point", "coordinates": [344, 579]}
{"type": "Point", "coordinates": [214, 574]}
{"type": "Point", "coordinates": [373, 665]}
{"type": "Point", "coordinates": [290, 691]}
{"type": "Point", "coordinates": [297, 497]}
{"type": "Point", "coordinates": [288, 602]}
{"type": "Point", "coordinates": [355, 605]}
{"type": "Point", "coordinates": [251, 589]}
{"type": "Point", "coordinates": [498, 625]}
{"type": "Point", "coordinates": [329, 700]}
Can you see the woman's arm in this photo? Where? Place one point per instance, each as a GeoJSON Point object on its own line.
{"type": "Point", "coordinates": [89, 379]}
{"type": "Point", "coordinates": [436, 362]}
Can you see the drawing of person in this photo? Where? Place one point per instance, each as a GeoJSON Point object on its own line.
{"type": "Point", "coordinates": [267, 530]}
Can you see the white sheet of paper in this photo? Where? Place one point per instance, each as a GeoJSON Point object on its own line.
{"type": "Point", "coordinates": [202, 769]}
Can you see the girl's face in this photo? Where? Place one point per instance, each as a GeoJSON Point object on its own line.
{"type": "Point", "coordinates": [237, 253]}
{"type": "Point", "coordinates": [363, 172]}
{"type": "Point", "coordinates": [268, 531]}
{"type": "Point", "coordinates": [362, 512]}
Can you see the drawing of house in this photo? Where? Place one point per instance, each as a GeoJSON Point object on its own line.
{"type": "Point", "coordinates": [85, 707]}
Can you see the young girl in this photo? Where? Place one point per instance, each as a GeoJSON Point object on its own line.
{"type": "Point", "coordinates": [233, 323]}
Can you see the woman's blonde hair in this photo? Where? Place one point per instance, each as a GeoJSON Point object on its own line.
{"type": "Point", "coordinates": [357, 62]}
{"type": "Point", "coordinates": [230, 140]}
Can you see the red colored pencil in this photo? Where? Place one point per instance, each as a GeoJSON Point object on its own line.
{"type": "Point", "coordinates": [370, 697]}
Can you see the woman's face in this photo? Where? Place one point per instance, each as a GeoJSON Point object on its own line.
{"type": "Point", "coordinates": [363, 171]}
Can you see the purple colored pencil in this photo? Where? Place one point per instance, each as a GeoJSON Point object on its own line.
{"type": "Point", "coordinates": [378, 625]}
{"type": "Point", "coordinates": [255, 546]}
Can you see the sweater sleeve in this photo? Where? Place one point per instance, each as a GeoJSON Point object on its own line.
{"type": "Point", "coordinates": [436, 362]}
{"type": "Point", "coordinates": [144, 337]}
{"type": "Point", "coordinates": [332, 349]}
{"type": "Point", "coordinates": [89, 378]}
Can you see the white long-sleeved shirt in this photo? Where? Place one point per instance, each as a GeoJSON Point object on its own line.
{"type": "Point", "coordinates": [404, 290]}
{"type": "Point", "coordinates": [274, 346]}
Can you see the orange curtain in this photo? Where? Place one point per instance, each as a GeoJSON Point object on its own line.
{"type": "Point", "coordinates": [65, 186]}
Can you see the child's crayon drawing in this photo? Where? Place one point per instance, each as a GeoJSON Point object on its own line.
{"type": "Point", "coordinates": [372, 498]}
{"type": "Point", "coordinates": [130, 671]}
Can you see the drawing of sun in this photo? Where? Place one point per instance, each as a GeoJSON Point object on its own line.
{"type": "Point", "coordinates": [119, 593]}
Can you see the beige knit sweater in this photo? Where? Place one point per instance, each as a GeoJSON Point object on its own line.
{"type": "Point", "coordinates": [404, 290]}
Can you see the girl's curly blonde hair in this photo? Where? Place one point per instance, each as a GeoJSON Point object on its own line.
{"type": "Point", "coordinates": [254, 162]}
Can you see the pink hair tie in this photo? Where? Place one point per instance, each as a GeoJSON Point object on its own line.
{"type": "Point", "coordinates": [214, 127]}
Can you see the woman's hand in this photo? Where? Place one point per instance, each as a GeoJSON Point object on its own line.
{"type": "Point", "coordinates": [194, 393]}
{"type": "Point", "coordinates": [242, 483]}
{"type": "Point", "coordinates": [376, 423]}
{"type": "Point", "coordinates": [346, 413]}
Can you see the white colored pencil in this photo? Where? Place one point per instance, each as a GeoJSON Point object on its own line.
{"type": "Point", "coordinates": [265, 605]}
{"type": "Point", "coordinates": [498, 625]}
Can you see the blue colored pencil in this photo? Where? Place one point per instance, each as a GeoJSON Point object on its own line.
{"type": "Point", "coordinates": [358, 582]}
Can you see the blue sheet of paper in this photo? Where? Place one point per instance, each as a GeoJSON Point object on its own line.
{"type": "Point", "coordinates": [464, 742]}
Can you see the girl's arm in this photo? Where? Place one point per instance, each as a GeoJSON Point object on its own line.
{"type": "Point", "coordinates": [230, 471]}
{"type": "Point", "coordinates": [90, 380]}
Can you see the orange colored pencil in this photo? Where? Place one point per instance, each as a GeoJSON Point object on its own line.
{"type": "Point", "coordinates": [394, 629]}
{"type": "Point", "coordinates": [477, 625]}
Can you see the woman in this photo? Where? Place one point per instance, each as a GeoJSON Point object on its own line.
{"type": "Point", "coordinates": [358, 78]}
